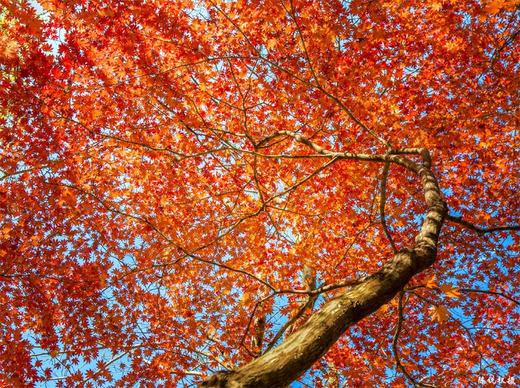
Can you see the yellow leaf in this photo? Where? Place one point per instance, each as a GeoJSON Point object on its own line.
{"type": "Point", "coordinates": [271, 43]}
{"type": "Point", "coordinates": [436, 5]}
{"type": "Point", "coordinates": [496, 6]}
{"type": "Point", "coordinates": [35, 240]}
{"type": "Point", "coordinates": [5, 231]}
{"type": "Point", "coordinates": [439, 313]}
{"type": "Point", "coordinates": [383, 310]}
{"type": "Point", "coordinates": [450, 291]}
{"type": "Point", "coordinates": [430, 282]}
{"type": "Point", "coordinates": [96, 113]}
{"type": "Point", "coordinates": [211, 330]}
{"type": "Point", "coordinates": [246, 297]}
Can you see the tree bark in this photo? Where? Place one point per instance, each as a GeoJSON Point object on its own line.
{"type": "Point", "coordinates": [282, 365]}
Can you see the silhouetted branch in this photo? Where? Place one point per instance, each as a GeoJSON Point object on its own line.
{"type": "Point", "coordinates": [478, 229]}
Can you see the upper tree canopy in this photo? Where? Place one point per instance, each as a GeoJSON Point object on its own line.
{"type": "Point", "coordinates": [177, 177]}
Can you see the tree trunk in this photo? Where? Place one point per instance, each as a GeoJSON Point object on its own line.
{"type": "Point", "coordinates": [282, 365]}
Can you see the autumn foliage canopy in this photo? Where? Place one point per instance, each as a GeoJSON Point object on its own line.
{"type": "Point", "coordinates": [185, 186]}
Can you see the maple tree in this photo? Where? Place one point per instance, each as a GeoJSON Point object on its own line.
{"type": "Point", "coordinates": [242, 193]}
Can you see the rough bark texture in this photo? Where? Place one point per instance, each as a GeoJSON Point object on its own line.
{"type": "Point", "coordinates": [281, 365]}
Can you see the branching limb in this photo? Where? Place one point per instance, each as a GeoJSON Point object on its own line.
{"type": "Point", "coordinates": [398, 328]}
{"type": "Point", "coordinates": [478, 229]}
{"type": "Point", "coordinates": [229, 268]}
{"type": "Point", "coordinates": [251, 317]}
{"type": "Point", "coordinates": [382, 203]}
{"type": "Point", "coordinates": [503, 295]}
{"type": "Point", "coordinates": [324, 288]}
{"type": "Point", "coordinates": [392, 157]}
{"type": "Point", "coordinates": [7, 175]}
{"type": "Point", "coordinates": [290, 322]}
{"type": "Point", "coordinates": [309, 281]}
{"type": "Point", "coordinates": [470, 290]}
